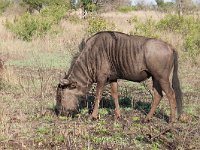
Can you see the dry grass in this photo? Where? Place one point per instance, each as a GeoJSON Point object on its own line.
{"type": "Point", "coordinates": [27, 97]}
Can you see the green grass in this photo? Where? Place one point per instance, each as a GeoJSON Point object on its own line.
{"type": "Point", "coordinates": [47, 60]}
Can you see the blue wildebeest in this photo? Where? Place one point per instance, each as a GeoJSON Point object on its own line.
{"type": "Point", "coordinates": [109, 56]}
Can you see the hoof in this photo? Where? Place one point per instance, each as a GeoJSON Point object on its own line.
{"type": "Point", "coordinates": [92, 117]}
{"type": "Point", "coordinates": [117, 117]}
{"type": "Point", "coordinates": [184, 118]}
{"type": "Point", "coordinates": [172, 120]}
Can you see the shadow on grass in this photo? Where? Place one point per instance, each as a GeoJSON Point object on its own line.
{"type": "Point", "coordinates": [145, 107]}
{"type": "Point", "coordinates": [125, 102]}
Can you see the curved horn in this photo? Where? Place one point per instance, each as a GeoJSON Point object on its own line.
{"type": "Point", "coordinates": [64, 82]}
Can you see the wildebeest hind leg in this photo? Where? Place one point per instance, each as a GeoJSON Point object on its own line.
{"type": "Point", "coordinates": [157, 95]}
{"type": "Point", "coordinates": [171, 97]}
{"type": "Point", "coordinates": [114, 94]}
{"type": "Point", "coordinates": [99, 90]}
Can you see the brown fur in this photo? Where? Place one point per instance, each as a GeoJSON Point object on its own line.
{"type": "Point", "coordinates": [109, 56]}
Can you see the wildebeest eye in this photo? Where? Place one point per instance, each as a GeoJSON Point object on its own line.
{"type": "Point", "coordinates": [72, 85]}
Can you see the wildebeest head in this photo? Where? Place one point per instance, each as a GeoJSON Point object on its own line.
{"type": "Point", "coordinates": [67, 97]}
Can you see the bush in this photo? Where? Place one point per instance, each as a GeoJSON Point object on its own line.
{"type": "Point", "coordinates": [187, 26]}
{"type": "Point", "coordinates": [28, 26]}
{"type": "Point", "coordinates": [192, 45]}
{"type": "Point", "coordinates": [34, 4]}
{"type": "Point", "coordinates": [126, 9]}
{"type": "Point", "coordinates": [97, 24]}
{"type": "Point", "coordinates": [88, 5]}
{"type": "Point", "coordinates": [91, 7]}
{"type": "Point", "coordinates": [178, 24]}
{"type": "Point", "coordinates": [54, 13]}
{"type": "Point", "coordinates": [3, 5]}
{"type": "Point", "coordinates": [38, 4]}
{"type": "Point", "coordinates": [147, 28]}
{"type": "Point", "coordinates": [165, 6]}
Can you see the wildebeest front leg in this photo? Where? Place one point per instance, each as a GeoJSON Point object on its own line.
{"type": "Point", "coordinates": [157, 95]}
{"type": "Point", "coordinates": [114, 94]}
{"type": "Point", "coordinates": [99, 89]}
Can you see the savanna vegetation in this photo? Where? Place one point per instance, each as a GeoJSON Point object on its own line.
{"type": "Point", "coordinates": [38, 39]}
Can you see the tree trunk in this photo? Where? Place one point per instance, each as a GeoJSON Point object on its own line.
{"type": "Point", "coordinates": [179, 5]}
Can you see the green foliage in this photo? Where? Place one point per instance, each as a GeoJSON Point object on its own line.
{"type": "Point", "coordinates": [38, 4]}
{"type": "Point", "coordinates": [91, 7]}
{"type": "Point", "coordinates": [3, 5]}
{"type": "Point", "coordinates": [54, 13]}
{"type": "Point", "coordinates": [192, 44]}
{"type": "Point", "coordinates": [165, 6]}
{"type": "Point", "coordinates": [86, 2]}
{"type": "Point", "coordinates": [188, 26]}
{"type": "Point", "coordinates": [97, 24]}
{"type": "Point", "coordinates": [160, 3]}
{"type": "Point", "coordinates": [64, 3]}
{"type": "Point", "coordinates": [126, 9]}
{"type": "Point", "coordinates": [28, 26]}
{"type": "Point", "coordinates": [35, 3]}
{"type": "Point", "coordinates": [172, 23]}
{"type": "Point", "coordinates": [88, 5]}
{"type": "Point", "coordinates": [147, 28]}
{"type": "Point", "coordinates": [179, 24]}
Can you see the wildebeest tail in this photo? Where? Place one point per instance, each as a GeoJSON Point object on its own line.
{"type": "Point", "coordinates": [176, 85]}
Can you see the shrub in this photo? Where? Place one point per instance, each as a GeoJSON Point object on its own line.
{"type": "Point", "coordinates": [165, 6]}
{"type": "Point", "coordinates": [54, 13]}
{"type": "Point", "coordinates": [91, 7]}
{"type": "Point", "coordinates": [25, 27]}
{"type": "Point", "coordinates": [178, 24]}
{"type": "Point", "coordinates": [88, 5]}
{"type": "Point", "coordinates": [170, 22]}
{"type": "Point", "coordinates": [97, 24]}
{"type": "Point", "coordinates": [28, 26]}
{"type": "Point", "coordinates": [146, 28]}
{"type": "Point", "coordinates": [188, 26]}
{"type": "Point", "coordinates": [38, 4]}
{"type": "Point", "coordinates": [192, 45]}
{"type": "Point", "coordinates": [34, 4]}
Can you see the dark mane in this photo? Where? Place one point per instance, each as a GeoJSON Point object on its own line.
{"type": "Point", "coordinates": [75, 57]}
{"type": "Point", "coordinates": [82, 46]}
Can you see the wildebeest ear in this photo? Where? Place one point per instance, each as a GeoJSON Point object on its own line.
{"type": "Point", "coordinates": [64, 82]}
{"type": "Point", "coordinates": [73, 85]}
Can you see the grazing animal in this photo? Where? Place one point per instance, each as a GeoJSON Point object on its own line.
{"type": "Point", "coordinates": [108, 56]}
